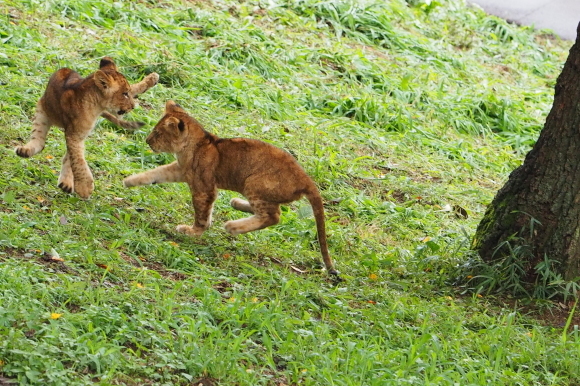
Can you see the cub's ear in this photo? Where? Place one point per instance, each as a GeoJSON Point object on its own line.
{"type": "Point", "coordinates": [175, 123]}
{"type": "Point", "coordinates": [171, 106]}
{"type": "Point", "coordinates": [107, 62]}
{"type": "Point", "coordinates": [102, 80]}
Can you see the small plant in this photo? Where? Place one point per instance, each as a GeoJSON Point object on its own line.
{"type": "Point", "coordinates": [511, 272]}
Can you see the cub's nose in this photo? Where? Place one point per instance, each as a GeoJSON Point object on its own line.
{"type": "Point", "coordinates": [121, 112]}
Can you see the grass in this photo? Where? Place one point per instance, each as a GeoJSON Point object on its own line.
{"type": "Point", "coordinates": [409, 116]}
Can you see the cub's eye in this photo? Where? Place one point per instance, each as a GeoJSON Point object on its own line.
{"type": "Point", "coordinates": [126, 94]}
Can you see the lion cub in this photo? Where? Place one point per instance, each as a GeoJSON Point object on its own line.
{"type": "Point", "coordinates": [74, 104]}
{"type": "Point", "coordinates": [266, 175]}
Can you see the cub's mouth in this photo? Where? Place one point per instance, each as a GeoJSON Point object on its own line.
{"type": "Point", "coordinates": [121, 112]}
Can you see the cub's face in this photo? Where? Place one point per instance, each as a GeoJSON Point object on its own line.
{"type": "Point", "coordinates": [121, 100]}
{"type": "Point", "coordinates": [168, 135]}
{"type": "Point", "coordinates": [114, 87]}
{"type": "Point", "coordinates": [116, 90]}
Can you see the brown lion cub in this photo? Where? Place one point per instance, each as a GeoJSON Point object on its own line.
{"type": "Point", "coordinates": [74, 104]}
{"type": "Point", "coordinates": [266, 175]}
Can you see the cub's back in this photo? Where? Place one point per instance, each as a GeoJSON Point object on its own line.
{"type": "Point", "coordinates": [243, 161]}
{"type": "Point", "coordinates": [58, 97]}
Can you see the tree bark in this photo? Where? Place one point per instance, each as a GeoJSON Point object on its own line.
{"type": "Point", "coordinates": [540, 203]}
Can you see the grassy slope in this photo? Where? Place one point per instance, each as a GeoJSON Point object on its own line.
{"type": "Point", "coordinates": [398, 111]}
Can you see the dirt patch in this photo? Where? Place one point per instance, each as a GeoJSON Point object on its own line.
{"type": "Point", "coordinates": [54, 262]}
{"type": "Point", "coordinates": [553, 314]}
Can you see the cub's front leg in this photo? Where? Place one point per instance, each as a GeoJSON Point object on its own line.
{"type": "Point", "coordinates": [159, 175]}
{"type": "Point", "coordinates": [203, 207]}
{"type": "Point", "coordinates": [66, 180]}
{"type": "Point", "coordinates": [147, 82]}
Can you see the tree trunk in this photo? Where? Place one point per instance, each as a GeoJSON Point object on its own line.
{"type": "Point", "coordinates": [540, 203]}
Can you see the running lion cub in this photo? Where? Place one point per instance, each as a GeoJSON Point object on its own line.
{"type": "Point", "coordinates": [266, 175]}
{"type": "Point", "coordinates": [74, 104]}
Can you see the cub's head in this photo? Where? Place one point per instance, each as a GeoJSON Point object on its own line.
{"type": "Point", "coordinates": [170, 134]}
{"type": "Point", "coordinates": [114, 87]}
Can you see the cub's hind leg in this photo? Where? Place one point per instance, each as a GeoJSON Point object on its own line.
{"type": "Point", "coordinates": [265, 214]}
{"type": "Point", "coordinates": [40, 127]}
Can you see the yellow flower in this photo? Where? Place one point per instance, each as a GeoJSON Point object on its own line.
{"type": "Point", "coordinates": [139, 285]}
{"type": "Point", "coordinates": [254, 300]}
{"type": "Point", "coordinates": [54, 315]}
{"type": "Point", "coordinates": [373, 276]}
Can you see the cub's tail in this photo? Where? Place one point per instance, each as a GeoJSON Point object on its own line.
{"type": "Point", "coordinates": [318, 209]}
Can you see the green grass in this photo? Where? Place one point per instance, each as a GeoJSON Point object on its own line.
{"type": "Point", "coordinates": [409, 116]}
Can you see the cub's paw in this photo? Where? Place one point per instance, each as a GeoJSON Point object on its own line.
{"type": "Point", "coordinates": [66, 187]}
{"type": "Point", "coordinates": [148, 82]}
{"type": "Point", "coordinates": [130, 181]}
{"type": "Point", "coordinates": [24, 151]}
{"type": "Point", "coordinates": [153, 78]}
{"type": "Point", "coordinates": [134, 180]}
{"type": "Point", "coordinates": [84, 188]}
{"type": "Point", "coordinates": [190, 231]}
{"type": "Point", "coordinates": [234, 227]}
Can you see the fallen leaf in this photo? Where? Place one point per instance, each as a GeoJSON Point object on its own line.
{"type": "Point", "coordinates": [63, 220]}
